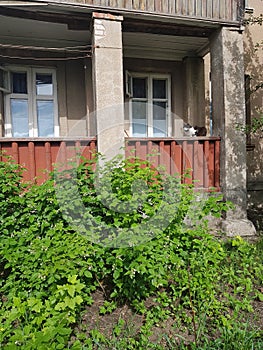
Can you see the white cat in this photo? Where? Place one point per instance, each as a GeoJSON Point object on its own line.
{"type": "Point", "coordinates": [189, 130]}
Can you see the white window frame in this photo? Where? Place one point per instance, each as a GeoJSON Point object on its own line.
{"type": "Point", "coordinates": [32, 98]}
{"type": "Point", "coordinates": [150, 77]}
{"type": "Point", "coordinates": [6, 80]}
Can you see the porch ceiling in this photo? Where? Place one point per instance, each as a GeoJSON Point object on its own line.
{"type": "Point", "coordinates": [65, 29]}
{"type": "Point", "coordinates": [20, 31]}
{"type": "Point", "coordinates": [162, 47]}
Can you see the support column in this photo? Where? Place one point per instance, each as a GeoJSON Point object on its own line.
{"type": "Point", "coordinates": [194, 102]}
{"type": "Point", "coordinates": [107, 69]}
{"type": "Point", "coordinates": [228, 106]}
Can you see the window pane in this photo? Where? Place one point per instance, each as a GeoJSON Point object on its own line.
{"type": "Point", "coordinates": [139, 124]}
{"type": "Point", "coordinates": [19, 115]}
{"type": "Point", "coordinates": [44, 84]}
{"type": "Point", "coordinates": [19, 83]}
{"type": "Point", "coordinates": [159, 119]}
{"type": "Point", "coordinates": [139, 87]}
{"type": "Point", "coordinates": [159, 88]}
{"type": "Point", "coordinates": [45, 118]}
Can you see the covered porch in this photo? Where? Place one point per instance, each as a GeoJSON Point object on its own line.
{"type": "Point", "coordinates": [106, 72]}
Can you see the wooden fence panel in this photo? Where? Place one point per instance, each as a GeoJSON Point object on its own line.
{"type": "Point", "coordinates": [38, 156]}
{"type": "Point", "coordinates": [219, 10]}
{"type": "Point", "coordinates": [199, 156]}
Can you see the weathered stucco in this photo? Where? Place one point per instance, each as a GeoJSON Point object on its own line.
{"type": "Point", "coordinates": [253, 60]}
{"type": "Point", "coordinates": [108, 83]}
{"type": "Point", "coordinates": [228, 105]}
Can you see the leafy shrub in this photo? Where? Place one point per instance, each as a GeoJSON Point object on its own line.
{"type": "Point", "coordinates": [127, 229]}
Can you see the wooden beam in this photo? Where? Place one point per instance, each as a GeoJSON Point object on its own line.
{"type": "Point", "coordinates": [157, 27]}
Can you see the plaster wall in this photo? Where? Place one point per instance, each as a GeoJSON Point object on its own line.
{"type": "Point", "coordinates": [253, 60]}
{"type": "Point", "coordinates": [228, 103]}
{"type": "Point", "coordinates": [107, 70]}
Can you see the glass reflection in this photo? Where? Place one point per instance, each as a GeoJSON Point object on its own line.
{"type": "Point", "coordinates": [44, 84]}
{"type": "Point", "coordinates": [139, 87]}
{"type": "Point", "coordinates": [19, 83]}
{"type": "Point", "coordinates": [19, 115]}
{"type": "Point", "coordinates": [45, 118]}
{"type": "Point", "coordinates": [159, 88]}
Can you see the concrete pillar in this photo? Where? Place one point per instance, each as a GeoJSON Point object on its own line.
{"type": "Point", "coordinates": [194, 101]}
{"type": "Point", "coordinates": [228, 106]}
{"type": "Point", "coordinates": [107, 70]}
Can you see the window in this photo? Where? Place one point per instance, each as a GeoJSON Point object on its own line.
{"type": "Point", "coordinates": [149, 105]}
{"type": "Point", "coordinates": [31, 103]}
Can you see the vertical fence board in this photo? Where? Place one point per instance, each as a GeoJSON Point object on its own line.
{"type": "Point", "coordinates": [217, 164]}
{"type": "Point", "coordinates": [206, 155]}
{"type": "Point", "coordinates": [173, 155]}
{"type": "Point", "coordinates": [153, 152]}
{"type": "Point", "coordinates": [136, 4]}
{"type": "Point", "coordinates": [204, 9]}
{"type": "Point", "coordinates": [15, 152]}
{"type": "Point", "coordinates": [234, 14]}
{"type": "Point", "coordinates": [165, 6]}
{"type": "Point", "coordinates": [191, 7]}
{"type": "Point", "coordinates": [222, 14]}
{"type": "Point", "coordinates": [198, 164]}
{"type": "Point", "coordinates": [184, 7]}
{"type": "Point", "coordinates": [48, 156]}
{"type": "Point", "coordinates": [177, 6]}
{"type": "Point", "coordinates": [187, 163]}
{"type": "Point", "coordinates": [211, 165]}
{"type": "Point", "coordinates": [167, 157]}
{"type": "Point", "coordinates": [143, 5]}
{"type": "Point", "coordinates": [215, 10]}
{"type": "Point", "coordinates": [158, 5]}
{"type": "Point", "coordinates": [40, 161]}
{"type": "Point", "coordinates": [150, 5]}
{"type": "Point", "coordinates": [179, 159]}
{"type": "Point", "coordinates": [199, 8]}
{"type": "Point", "coordinates": [209, 9]}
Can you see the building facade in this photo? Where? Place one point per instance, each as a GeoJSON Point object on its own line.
{"type": "Point", "coordinates": [118, 71]}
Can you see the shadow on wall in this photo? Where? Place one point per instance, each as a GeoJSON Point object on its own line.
{"type": "Point", "coordinates": [253, 67]}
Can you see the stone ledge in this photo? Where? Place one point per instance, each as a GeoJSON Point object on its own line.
{"type": "Point", "coordinates": [238, 227]}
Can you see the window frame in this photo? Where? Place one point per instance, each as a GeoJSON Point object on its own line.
{"type": "Point", "coordinates": [32, 98]}
{"type": "Point", "coordinates": [5, 88]}
{"type": "Point", "coordinates": [149, 100]}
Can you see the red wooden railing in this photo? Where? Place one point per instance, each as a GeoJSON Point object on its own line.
{"type": "Point", "coordinates": [200, 154]}
{"type": "Point", "coordinates": [38, 156]}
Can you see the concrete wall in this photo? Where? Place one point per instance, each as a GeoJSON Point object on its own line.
{"type": "Point", "coordinates": [253, 60]}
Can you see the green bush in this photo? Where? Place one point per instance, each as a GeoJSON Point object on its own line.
{"type": "Point", "coordinates": [127, 229]}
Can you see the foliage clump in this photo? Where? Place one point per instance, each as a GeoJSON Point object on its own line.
{"type": "Point", "coordinates": [127, 230]}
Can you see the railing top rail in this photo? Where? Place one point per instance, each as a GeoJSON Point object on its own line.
{"type": "Point", "coordinates": [166, 139]}
{"type": "Point", "coordinates": [47, 139]}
